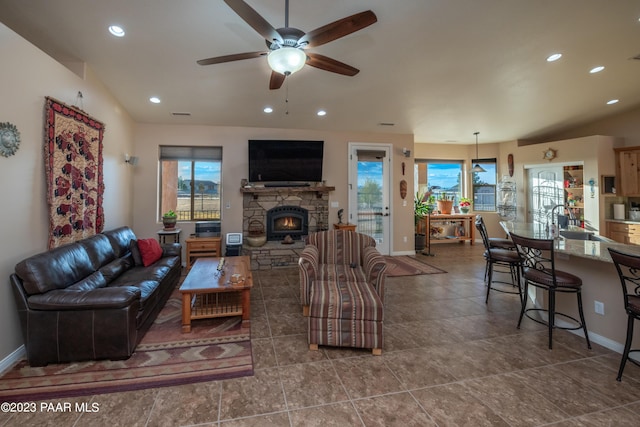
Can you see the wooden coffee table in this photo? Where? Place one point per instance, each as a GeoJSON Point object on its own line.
{"type": "Point", "coordinates": [208, 292]}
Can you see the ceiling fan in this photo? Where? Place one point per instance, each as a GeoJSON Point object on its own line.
{"type": "Point", "coordinates": [287, 45]}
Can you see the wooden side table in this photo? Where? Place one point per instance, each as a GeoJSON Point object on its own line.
{"type": "Point", "coordinates": [347, 226]}
{"type": "Point", "coordinates": [163, 234]}
{"type": "Point", "coordinates": [200, 247]}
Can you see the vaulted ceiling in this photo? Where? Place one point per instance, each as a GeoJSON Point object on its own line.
{"type": "Point", "coordinates": [439, 69]}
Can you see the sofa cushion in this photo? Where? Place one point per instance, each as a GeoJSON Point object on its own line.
{"type": "Point", "coordinates": [150, 251]}
{"type": "Point", "coordinates": [99, 249]}
{"type": "Point", "coordinates": [95, 281]}
{"type": "Point", "coordinates": [114, 269]}
{"type": "Point", "coordinates": [120, 239]}
{"type": "Point", "coordinates": [55, 269]}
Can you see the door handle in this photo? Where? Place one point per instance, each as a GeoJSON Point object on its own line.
{"type": "Point", "coordinates": [385, 214]}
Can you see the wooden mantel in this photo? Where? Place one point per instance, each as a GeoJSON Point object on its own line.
{"type": "Point", "coordinates": [256, 191]}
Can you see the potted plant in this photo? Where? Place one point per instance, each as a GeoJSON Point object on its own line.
{"type": "Point", "coordinates": [445, 203]}
{"type": "Point", "coordinates": [422, 206]}
{"type": "Point", "coordinates": [465, 205]}
{"type": "Point", "coordinates": [169, 220]}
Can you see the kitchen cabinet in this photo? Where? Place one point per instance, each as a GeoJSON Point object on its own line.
{"type": "Point", "coordinates": [624, 232]}
{"type": "Point", "coordinates": [628, 171]}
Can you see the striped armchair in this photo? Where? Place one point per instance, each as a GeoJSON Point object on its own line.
{"type": "Point", "coordinates": [340, 255]}
{"type": "Point", "coordinates": [341, 289]}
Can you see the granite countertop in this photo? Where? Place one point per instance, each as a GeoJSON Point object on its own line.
{"type": "Point", "coordinates": [580, 248]}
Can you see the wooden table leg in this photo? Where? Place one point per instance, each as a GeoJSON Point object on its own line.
{"type": "Point", "coordinates": [186, 312]}
{"type": "Point", "coordinates": [246, 304]}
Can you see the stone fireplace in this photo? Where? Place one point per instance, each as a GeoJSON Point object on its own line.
{"type": "Point", "coordinates": [285, 221]}
{"type": "Point", "coordinates": [295, 211]}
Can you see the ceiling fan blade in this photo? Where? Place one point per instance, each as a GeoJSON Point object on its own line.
{"type": "Point", "coordinates": [230, 58]}
{"type": "Point", "coordinates": [255, 20]}
{"type": "Point", "coordinates": [276, 80]}
{"type": "Point", "coordinates": [339, 28]}
{"type": "Point", "coordinates": [325, 63]}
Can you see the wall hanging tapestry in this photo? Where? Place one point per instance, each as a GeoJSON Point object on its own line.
{"type": "Point", "coordinates": [73, 167]}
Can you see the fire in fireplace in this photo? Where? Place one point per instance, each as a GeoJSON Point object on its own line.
{"type": "Point", "coordinates": [287, 220]}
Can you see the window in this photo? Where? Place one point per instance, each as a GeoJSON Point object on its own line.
{"type": "Point", "coordinates": [439, 176]}
{"type": "Point", "coordinates": [483, 185]}
{"type": "Point", "coordinates": [190, 182]}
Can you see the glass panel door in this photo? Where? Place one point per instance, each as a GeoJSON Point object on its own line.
{"type": "Point", "coordinates": [369, 193]}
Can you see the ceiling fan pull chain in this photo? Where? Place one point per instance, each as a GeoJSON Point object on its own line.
{"type": "Point", "coordinates": [286, 97]}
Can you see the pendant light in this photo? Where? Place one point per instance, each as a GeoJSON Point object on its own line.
{"type": "Point", "coordinates": [477, 167]}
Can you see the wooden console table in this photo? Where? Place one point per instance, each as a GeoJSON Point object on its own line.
{"type": "Point", "coordinates": [343, 226]}
{"type": "Point", "coordinates": [463, 228]}
{"type": "Point", "coordinates": [199, 247]}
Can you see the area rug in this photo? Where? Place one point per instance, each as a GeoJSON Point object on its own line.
{"type": "Point", "coordinates": [398, 266]}
{"type": "Point", "coordinates": [215, 349]}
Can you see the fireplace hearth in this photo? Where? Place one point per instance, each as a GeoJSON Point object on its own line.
{"type": "Point", "coordinates": [285, 221]}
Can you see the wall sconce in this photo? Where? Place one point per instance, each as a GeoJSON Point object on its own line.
{"type": "Point", "coordinates": [130, 160]}
{"type": "Point", "coordinates": [407, 153]}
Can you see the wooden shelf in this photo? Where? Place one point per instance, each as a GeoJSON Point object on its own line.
{"type": "Point", "coordinates": [256, 191]}
{"type": "Point", "coordinates": [465, 221]}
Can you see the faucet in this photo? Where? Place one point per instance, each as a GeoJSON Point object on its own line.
{"type": "Point", "coordinates": [553, 218]}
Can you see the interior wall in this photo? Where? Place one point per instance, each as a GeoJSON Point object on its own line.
{"type": "Point", "coordinates": [28, 75]}
{"type": "Point", "coordinates": [596, 152]}
{"type": "Point", "coordinates": [233, 140]}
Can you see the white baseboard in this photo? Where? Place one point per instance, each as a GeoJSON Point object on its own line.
{"type": "Point", "coordinates": [593, 337]}
{"type": "Point", "coordinates": [13, 358]}
{"type": "Point", "coordinates": [398, 253]}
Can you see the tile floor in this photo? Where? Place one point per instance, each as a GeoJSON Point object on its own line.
{"type": "Point", "coordinates": [449, 360]}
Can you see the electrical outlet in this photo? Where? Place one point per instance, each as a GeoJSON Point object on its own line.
{"type": "Point", "coordinates": [598, 307]}
{"type": "Point", "coordinates": [404, 239]}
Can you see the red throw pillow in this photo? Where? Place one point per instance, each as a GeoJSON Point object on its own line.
{"type": "Point", "coordinates": [150, 251]}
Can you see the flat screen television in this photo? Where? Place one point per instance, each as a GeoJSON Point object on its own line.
{"type": "Point", "coordinates": [285, 162]}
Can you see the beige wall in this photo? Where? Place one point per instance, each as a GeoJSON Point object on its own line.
{"type": "Point", "coordinates": [596, 152]}
{"type": "Point", "coordinates": [233, 141]}
{"type": "Point", "coordinates": [28, 75]}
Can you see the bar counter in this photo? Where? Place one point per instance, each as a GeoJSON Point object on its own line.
{"type": "Point", "coordinates": [589, 260]}
{"type": "Point", "coordinates": [588, 249]}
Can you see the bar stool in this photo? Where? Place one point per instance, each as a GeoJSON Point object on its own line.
{"type": "Point", "coordinates": [494, 242]}
{"type": "Point", "coordinates": [499, 256]}
{"type": "Point", "coordinates": [539, 270]}
{"type": "Point", "coordinates": [628, 267]}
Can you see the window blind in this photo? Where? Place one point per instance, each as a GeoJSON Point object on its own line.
{"type": "Point", "coordinates": [183, 152]}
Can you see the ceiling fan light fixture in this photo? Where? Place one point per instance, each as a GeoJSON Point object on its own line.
{"type": "Point", "coordinates": [287, 60]}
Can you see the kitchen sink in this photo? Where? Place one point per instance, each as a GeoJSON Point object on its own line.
{"type": "Point", "coordinates": [583, 235]}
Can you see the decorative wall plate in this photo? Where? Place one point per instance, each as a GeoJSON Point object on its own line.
{"type": "Point", "coordinates": [9, 139]}
{"type": "Point", "coordinates": [549, 154]}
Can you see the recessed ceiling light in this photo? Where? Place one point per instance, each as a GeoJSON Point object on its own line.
{"type": "Point", "coordinates": [268, 110]}
{"type": "Point", "coordinates": [554, 57]}
{"type": "Point", "coordinates": [322, 113]}
{"type": "Point", "coordinates": [613, 101]}
{"type": "Point", "coordinates": [116, 30]}
{"type": "Point", "coordinates": [596, 69]}
{"type": "Point", "coordinates": [154, 99]}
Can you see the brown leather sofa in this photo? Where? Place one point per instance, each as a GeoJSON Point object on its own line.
{"type": "Point", "coordinates": [90, 299]}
